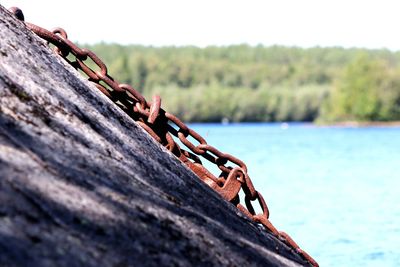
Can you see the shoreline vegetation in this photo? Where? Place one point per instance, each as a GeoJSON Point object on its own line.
{"type": "Point", "coordinates": [241, 83]}
{"type": "Point", "coordinates": [362, 124]}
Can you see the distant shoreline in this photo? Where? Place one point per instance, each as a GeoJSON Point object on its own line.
{"type": "Point", "coordinates": [359, 124]}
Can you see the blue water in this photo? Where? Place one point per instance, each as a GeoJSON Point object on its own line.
{"type": "Point", "coordinates": [334, 190]}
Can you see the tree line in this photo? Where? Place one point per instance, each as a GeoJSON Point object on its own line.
{"type": "Point", "coordinates": [258, 83]}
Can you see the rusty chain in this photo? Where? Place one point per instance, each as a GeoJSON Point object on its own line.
{"type": "Point", "coordinates": [163, 127]}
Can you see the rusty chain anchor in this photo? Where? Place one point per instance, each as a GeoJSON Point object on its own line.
{"type": "Point", "coordinates": [162, 126]}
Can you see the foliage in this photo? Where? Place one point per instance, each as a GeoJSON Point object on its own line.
{"type": "Point", "coordinates": [368, 91]}
{"type": "Point", "coordinates": [244, 83]}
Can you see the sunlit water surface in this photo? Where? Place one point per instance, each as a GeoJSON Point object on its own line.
{"type": "Point", "coordinates": [336, 191]}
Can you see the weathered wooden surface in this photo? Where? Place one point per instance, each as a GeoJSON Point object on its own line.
{"type": "Point", "coordinates": [82, 185]}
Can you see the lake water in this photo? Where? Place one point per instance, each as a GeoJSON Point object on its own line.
{"type": "Point", "coordinates": [336, 191]}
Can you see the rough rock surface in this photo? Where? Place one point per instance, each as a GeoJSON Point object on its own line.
{"type": "Point", "coordinates": [82, 185]}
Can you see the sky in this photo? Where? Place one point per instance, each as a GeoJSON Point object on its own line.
{"type": "Point", "coordinates": [305, 23]}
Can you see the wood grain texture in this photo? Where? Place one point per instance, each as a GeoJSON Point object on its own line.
{"type": "Point", "coordinates": [82, 185]}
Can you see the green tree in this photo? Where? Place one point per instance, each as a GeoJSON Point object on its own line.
{"type": "Point", "coordinates": [356, 96]}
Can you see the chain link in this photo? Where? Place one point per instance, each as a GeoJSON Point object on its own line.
{"type": "Point", "coordinates": [162, 125]}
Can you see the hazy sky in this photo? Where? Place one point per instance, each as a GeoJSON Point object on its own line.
{"type": "Point", "coordinates": [368, 23]}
